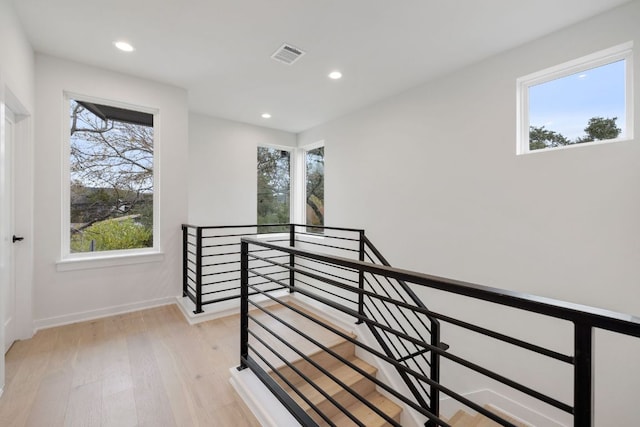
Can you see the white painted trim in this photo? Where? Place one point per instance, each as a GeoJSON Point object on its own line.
{"type": "Point", "coordinates": [613, 54]}
{"type": "Point", "coordinates": [104, 259]}
{"type": "Point", "coordinates": [300, 180]}
{"type": "Point", "coordinates": [65, 251]}
{"type": "Point", "coordinates": [100, 313]}
{"type": "Point", "coordinates": [262, 403]}
{"type": "Point", "coordinates": [222, 309]}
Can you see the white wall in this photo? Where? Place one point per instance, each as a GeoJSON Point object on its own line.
{"type": "Point", "coordinates": [62, 296]}
{"type": "Point", "coordinates": [16, 57]}
{"type": "Point", "coordinates": [222, 169]}
{"type": "Point", "coordinates": [433, 177]}
{"type": "Point", "coordinates": [17, 92]}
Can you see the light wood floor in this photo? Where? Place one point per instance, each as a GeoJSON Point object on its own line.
{"type": "Point", "coordinates": [148, 368]}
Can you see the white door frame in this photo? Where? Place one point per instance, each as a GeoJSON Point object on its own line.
{"type": "Point", "coordinates": [23, 210]}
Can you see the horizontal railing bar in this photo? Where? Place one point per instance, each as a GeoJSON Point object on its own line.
{"type": "Point", "coordinates": [481, 370]}
{"type": "Point", "coordinates": [387, 359]}
{"type": "Point", "coordinates": [470, 365]}
{"type": "Point", "coordinates": [236, 261]}
{"type": "Point", "coordinates": [321, 368]}
{"type": "Point", "coordinates": [463, 362]}
{"type": "Point", "coordinates": [303, 376]}
{"type": "Point", "coordinates": [238, 271]}
{"type": "Point", "coordinates": [325, 273]}
{"type": "Point", "coordinates": [354, 230]}
{"type": "Point", "coordinates": [232, 288]}
{"type": "Point", "coordinates": [238, 296]}
{"type": "Point", "coordinates": [235, 253]}
{"type": "Point", "coordinates": [280, 394]}
{"type": "Point", "coordinates": [596, 317]}
{"type": "Point", "coordinates": [326, 291]}
{"type": "Point", "coordinates": [235, 288]}
{"type": "Point", "coordinates": [325, 245]}
{"type": "Point", "coordinates": [326, 236]}
{"type": "Point", "coordinates": [234, 279]}
{"type": "Point", "coordinates": [221, 236]}
{"type": "Point", "coordinates": [333, 266]}
{"type": "Point", "coordinates": [212, 227]}
{"type": "Point", "coordinates": [496, 335]}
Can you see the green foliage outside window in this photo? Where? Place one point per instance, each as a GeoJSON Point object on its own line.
{"type": "Point", "coordinates": [112, 234]}
{"type": "Point", "coordinates": [274, 166]}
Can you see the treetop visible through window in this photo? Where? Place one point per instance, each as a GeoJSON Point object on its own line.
{"type": "Point", "coordinates": [583, 103]}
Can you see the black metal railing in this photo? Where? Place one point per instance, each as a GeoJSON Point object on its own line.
{"type": "Point", "coordinates": [367, 282]}
{"type": "Point", "coordinates": [211, 261]}
{"type": "Point", "coordinates": [211, 274]}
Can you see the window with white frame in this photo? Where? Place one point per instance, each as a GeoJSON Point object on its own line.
{"type": "Point", "coordinates": [314, 187]}
{"type": "Point", "coordinates": [274, 187]}
{"type": "Point", "coordinates": [584, 101]}
{"type": "Point", "coordinates": [110, 165]}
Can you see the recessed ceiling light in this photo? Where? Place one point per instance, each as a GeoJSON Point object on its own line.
{"type": "Point", "coordinates": [123, 46]}
{"type": "Point", "coordinates": [266, 115]}
{"type": "Point", "coordinates": [335, 75]}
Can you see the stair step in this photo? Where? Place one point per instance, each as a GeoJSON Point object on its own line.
{"type": "Point", "coordinates": [354, 380]}
{"type": "Point", "coordinates": [344, 348]}
{"type": "Point", "coordinates": [462, 419]}
{"type": "Point", "coordinates": [366, 415]}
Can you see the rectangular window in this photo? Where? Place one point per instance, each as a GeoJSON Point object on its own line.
{"type": "Point", "coordinates": [111, 170]}
{"type": "Point", "coordinates": [314, 194]}
{"type": "Point", "coordinates": [583, 101]}
{"type": "Point", "coordinates": [274, 172]}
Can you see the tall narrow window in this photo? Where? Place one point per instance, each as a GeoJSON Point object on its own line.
{"type": "Point", "coordinates": [584, 101]}
{"type": "Point", "coordinates": [111, 187]}
{"type": "Point", "coordinates": [274, 171]}
{"type": "Point", "coordinates": [314, 171]}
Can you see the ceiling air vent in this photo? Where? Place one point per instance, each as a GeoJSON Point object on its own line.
{"type": "Point", "coordinates": [287, 54]}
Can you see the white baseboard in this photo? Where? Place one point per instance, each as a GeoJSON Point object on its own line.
{"type": "Point", "coordinates": [222, 309]}
{"type": "Point", "coordinates": [100, 313]}
{"type": "Point", "coordinates": [262, 403]}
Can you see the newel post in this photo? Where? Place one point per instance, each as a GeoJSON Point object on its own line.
{"type": "Point", "coordinates": [244, 304]}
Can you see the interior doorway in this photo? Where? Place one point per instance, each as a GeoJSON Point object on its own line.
{"type": "Point", "coordinates": [7, 215]}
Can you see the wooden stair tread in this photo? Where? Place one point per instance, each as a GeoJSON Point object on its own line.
{"type": "Point", "coordinates": [298, 321]}
{"type": "Point", "coordinates": [366, 415]}
{"type": "Point", "coordinates": [462, 419]}
{"type": "Point", "coordinates": [344, 348]}
{"type": "Point", "coordinates": [345, 374]}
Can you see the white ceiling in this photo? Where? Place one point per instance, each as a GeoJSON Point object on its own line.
{"type": "Point", "coordinates": [219, 50]}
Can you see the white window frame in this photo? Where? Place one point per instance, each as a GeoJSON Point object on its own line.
{"type": "Point", "coordinates": [607, 56]}
{"type": "Point", "coordinates": [292, 181]}
{"type": "Point", "coordinates": [86, 260]}
{"type": "Point", "coordinates": [301, 181]}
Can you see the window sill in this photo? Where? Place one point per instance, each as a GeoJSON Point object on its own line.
{"type": "Point", "coordinates": [102, 261]}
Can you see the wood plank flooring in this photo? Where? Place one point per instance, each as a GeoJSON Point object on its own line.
{"type": "Point", "coordinates": [148, 368]}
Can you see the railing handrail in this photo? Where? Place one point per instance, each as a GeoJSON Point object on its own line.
{"type": "Point", "coordinates": [595, 317]}
{"type": "Point", "coordinates": [207, 227]}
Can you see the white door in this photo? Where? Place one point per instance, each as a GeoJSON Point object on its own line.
{"type": "Point", "coordinates": [7, 277]}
